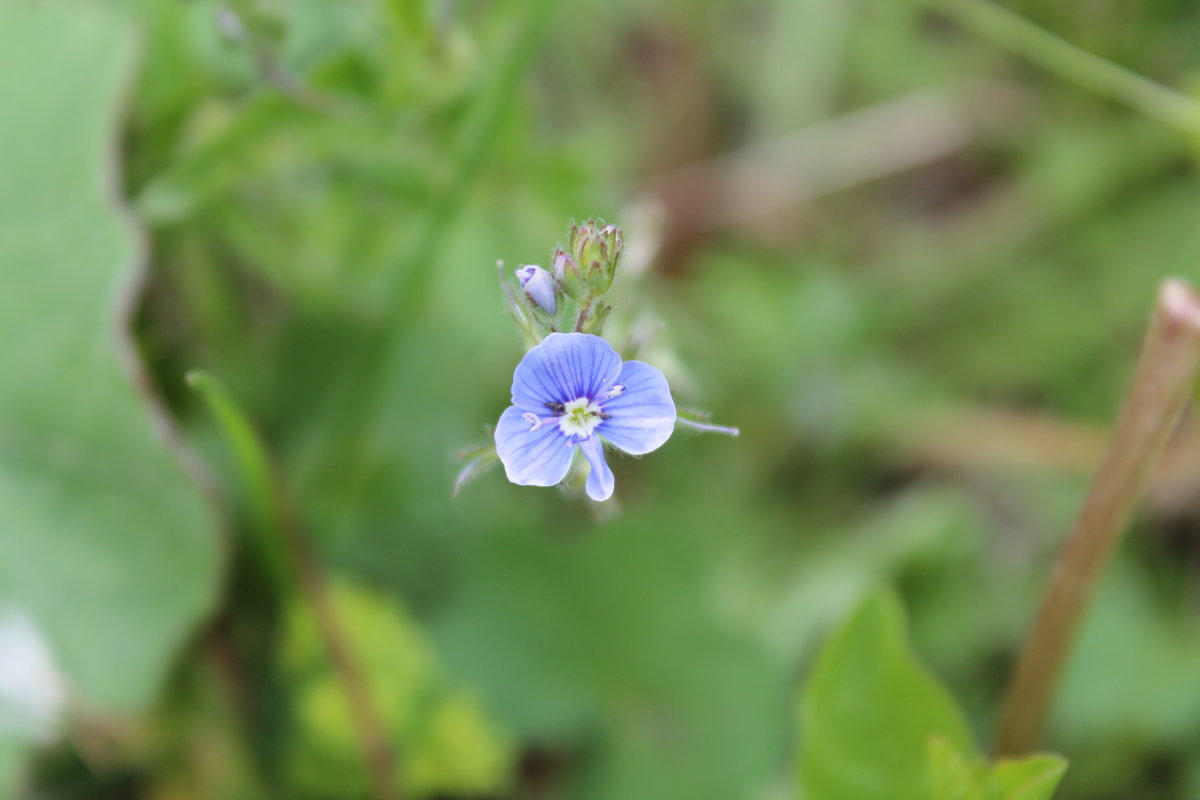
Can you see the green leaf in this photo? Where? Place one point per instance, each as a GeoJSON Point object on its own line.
{"type": "Point", "coordinates": [953, 776]}
{"type": "Point", "coordinates": [1032, 778]}
{"type": "Point", "coordinates": [103, 542]}
{"type": "Point", "coordinates": [956, 778]}
{"type": "Point", "coordinates": [870, 710]}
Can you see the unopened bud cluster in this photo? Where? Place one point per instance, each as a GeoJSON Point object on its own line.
{"type": "Point", "coordinates": [569, 296]}
{"type": "Point", "coordinates": [589, 267]}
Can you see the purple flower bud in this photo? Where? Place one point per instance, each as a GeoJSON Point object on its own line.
{"type": "Point", "coordinates": [562, 262]}
{"type": "Point", "coordinates": [540, 286]}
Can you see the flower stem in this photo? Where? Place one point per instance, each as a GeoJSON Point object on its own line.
{"type": "Point", "coordinates": [585, 314]}
{"type": "Point", "coordinates": [999, 25]}
{"type": "Point", "coordinates": [1162, 386]}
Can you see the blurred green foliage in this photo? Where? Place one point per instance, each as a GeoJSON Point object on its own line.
{"type": "Point", "coordinates": [921, 347]}
{"type": "Point", "coordinates": [449, 746]}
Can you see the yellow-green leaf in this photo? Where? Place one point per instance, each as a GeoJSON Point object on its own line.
{"type": "Point", "coordinates": [953, 775]}
{"type": "Point", "coordinates": [1032, 778]}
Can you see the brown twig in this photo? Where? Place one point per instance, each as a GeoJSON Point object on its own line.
{"type": "Point", "coordinates": [285, 521]}
{"type": "Point", "coordinates": [299, 570]}
{"type": "Point", "coordinates": [1162, 386]}
{"type": "Point", "coordinates": [377, 753]}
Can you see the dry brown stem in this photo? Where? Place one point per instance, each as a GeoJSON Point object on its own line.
{"type": "Point", "coordinates": [1162, 387]}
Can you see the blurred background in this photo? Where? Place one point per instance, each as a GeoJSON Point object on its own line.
{"type": "Point", "coordinates": [909, 247]}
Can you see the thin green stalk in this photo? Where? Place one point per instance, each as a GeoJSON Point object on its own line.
{"type": "Point", "coordinates": [247, 449]}
{"type": "Point", "coordinates": [1001, 26]}
{"type": "Point", "coordinates": [1161, 390]}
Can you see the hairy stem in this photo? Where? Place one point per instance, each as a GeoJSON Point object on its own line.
{"type": "Point", "coordinates": [1162, 387]}
{"type": "Point", "coordinates": [585, 314]}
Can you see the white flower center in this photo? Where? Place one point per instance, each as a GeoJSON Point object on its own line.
{"type": "Point", "coordinates": [579, 417]}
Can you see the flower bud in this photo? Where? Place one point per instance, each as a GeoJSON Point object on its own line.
{"type": "Point", "coordinates": [540, 286]}
{"type": "Point", "coordinates": [596, 248]}
{"type": "Point", "coordinates": [562, 262]}
{"type": "Point", "coordinates": [569, 277]}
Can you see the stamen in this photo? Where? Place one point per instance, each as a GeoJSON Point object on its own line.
{"type": "Point", "coordinates": [616, 391]}
{"type": "Point", "coordinates": [580, 417]}
{"type": "Point", "coordinates": [536, 422]}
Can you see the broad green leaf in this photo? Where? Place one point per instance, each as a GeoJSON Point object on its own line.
{"type": "Point", "coordinates": [104, 542]}
{"type": "Point", "coordinates": [870, 710]}
{"type": "Point", "coordinates": [1032, 778]}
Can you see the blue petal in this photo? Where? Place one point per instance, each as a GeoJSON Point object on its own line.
{"type": "Point", "coordinates": [532, 458]}
{"type": "Point", "coordinates": [564, 367]}
{"type": "Point", "coordinates": [600, 481]}
{"type": "Point", "coordinates": [643, 415]}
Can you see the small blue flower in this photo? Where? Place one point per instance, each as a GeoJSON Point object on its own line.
{"type": "Point", "coordinates": [573, 390]}
{"type": "Point", "coordinates": [539, 285]}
